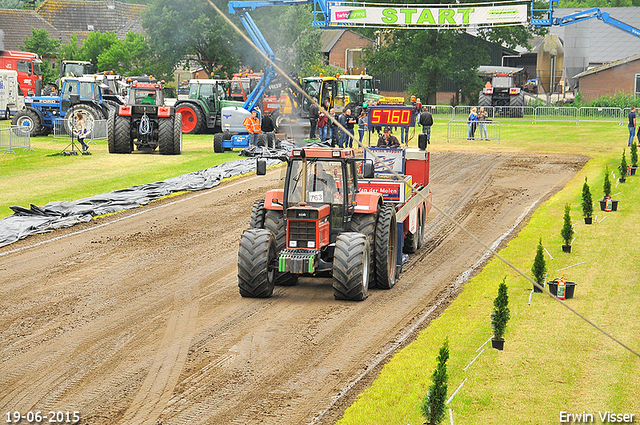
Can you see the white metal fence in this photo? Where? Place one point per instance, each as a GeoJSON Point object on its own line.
{"type": "Point", "coordinates": [536, 114]}
{"type": "Point", "coordinates": [65, 129]}
{"type": "Point", "coordinates": [14, 137]}
{"type": "Point", "coordinates": [487, 130]}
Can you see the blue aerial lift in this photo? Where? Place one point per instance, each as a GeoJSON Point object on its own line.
{"type": "Point", "coordinates": [550, 20]}
{"type": "Point", "coordinates": [234, 134]}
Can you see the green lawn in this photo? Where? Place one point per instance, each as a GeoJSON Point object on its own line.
{"type": "Point", "coordinates": [553, 361]}
{"type": "Point", "coordinates": [37, 177]}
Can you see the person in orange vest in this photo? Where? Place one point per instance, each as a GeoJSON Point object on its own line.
{"type": "Point", "coordinates": [252, 124]}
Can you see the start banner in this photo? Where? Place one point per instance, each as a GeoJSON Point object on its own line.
{"type": "Point", "coordinates": [428, 16]}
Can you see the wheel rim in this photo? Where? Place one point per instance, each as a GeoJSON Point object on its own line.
{"type": "Point", "coordinates": [365, 271]}
{"type": "Point", "coordinates": [26, 123]}
{"type": "Point", "coordinates": [189, 119]}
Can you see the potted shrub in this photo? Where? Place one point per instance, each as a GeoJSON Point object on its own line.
{"type": "Point", "coordinates": [607, 193]}
{"type": "Point", "coordinates": [567, 230]}
{"type": "Point", "coordinates": [500, 316]}
{"type": "Point", "coordinates": [623, 167]}
{"type": "Point", "coordinates": [634, 158]}
{"type": "Point", "coordinates": [539, 268]}
{"type": "Point", "coordinates": [587, 203]}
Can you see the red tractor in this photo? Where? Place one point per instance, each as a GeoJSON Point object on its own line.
{"type": "Point", "coordinates": [144, 122]}
{"type": "Point", "coordinates": [335, 216]}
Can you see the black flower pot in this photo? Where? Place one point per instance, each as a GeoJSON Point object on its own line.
{"type": "Point", "coordinates": [603, 205]}
{"type": "Point", "coordinates": [621, 180]}
{"type": "Point", "coordinates": [498, 344]}
{"type": "Point", "coordinates": [633, 170]}
{"type": "Point", "coordinates": [566, 248]}
{"type": "Point", "coordinates": [588, 220]}
{"type": "Point", "coordinates": [536, 289]}
{"type": "Point", "coordinates": [568, 293]}
{"type": "Point", "coordinates": [614, 205]}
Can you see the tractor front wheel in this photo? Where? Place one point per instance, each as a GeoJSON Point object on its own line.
{"type": "Point", "coordinates": [27, 121]}
{"type": "Point", "coordinates": [217, 142]}
{"type": "Point", "coordinates": [256, 263]}
{"type": "Point", "coordinates": [257, 215]}
{"type": "Point", "coordinates": [351, 267]}
{"type": "Point", "coordinates": [177, 134]}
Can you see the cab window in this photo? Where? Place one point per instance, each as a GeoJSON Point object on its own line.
{"type": "Point", "coordinates": [24, 66]}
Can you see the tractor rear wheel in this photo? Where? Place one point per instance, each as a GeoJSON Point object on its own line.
{"type": "Point", "coordinates": [192, 118]}
{"type": "Point", "coordinates": [413, 241]}
{"type": "Point", "coordinates": [351, 267]}
{"type": "Point", "coordinates": [165, 136]}
{"type": "Point", "coordinates": [177, 134]}
{"type": "Point", "coordinates": [90, 114]}
{"type": "Point", "coordinates": [28, 121]}
{"type": "Point", "coordinates": [256, 263]}
{"type": "Point", "coordinates": [484, 100]}
{"type": "Point", "coordinates": [274, 222]}
{"type": "Point", "coordinates": [111, 131]}
{"type": "Point", "coordinates": [217, 142]}
{"type": "Point", "coordinates": [257, 215]}
{"type": "Point", "coordinates": [517, 104]}
{"type": "Point", "coordinates": [366, 224]}
{"type": "Point", "coordinates": [122, 135]}
{"type": "Point", "coordinates": [386, 249]}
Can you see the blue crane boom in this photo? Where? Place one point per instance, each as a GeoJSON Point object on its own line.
{"type": "Point", "coordinates": [595, 12]}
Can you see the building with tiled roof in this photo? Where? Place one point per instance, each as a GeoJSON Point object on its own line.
{"type": "Point", "coordinates": [87, 15]}
{"type": "Point", "coordinates": [606, 80]}
{"type": "Point", "coordinates": [17, 25]}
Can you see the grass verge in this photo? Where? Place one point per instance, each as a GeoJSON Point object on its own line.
{"type": "Point", "coordinates": [553, 361]}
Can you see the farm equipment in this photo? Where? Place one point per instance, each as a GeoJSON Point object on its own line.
{"type": "Point", "coordinates": [82, 94]}
{"type": "Point", "coordinates": [201, 111]}
{"type": "Point", "coordinates": [502, 92]}
{"type": "Point", "coordinates": [11, 99]}
{"type": "Point", "coordinates": [145, 122]}
{"type": "Point", "coordinates": [331, 219]}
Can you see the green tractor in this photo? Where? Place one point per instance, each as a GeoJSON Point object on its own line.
{"type": "Point", "coordinates": [201, 110]}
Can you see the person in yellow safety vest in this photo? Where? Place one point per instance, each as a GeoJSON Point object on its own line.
{"type": "Point", "coordinates": [252, 124]}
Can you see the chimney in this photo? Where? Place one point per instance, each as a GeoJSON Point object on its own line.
{"type": "Point", "coordinates": [111, 4]}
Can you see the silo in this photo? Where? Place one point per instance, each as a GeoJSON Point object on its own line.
{"type": "Point", "coordinates": [550, 63]}
{"type": "Point", "coordinates": [576, 44]}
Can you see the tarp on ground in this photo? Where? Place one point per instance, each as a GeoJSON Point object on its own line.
{"type": "Point", "coordinates": [60, 214]}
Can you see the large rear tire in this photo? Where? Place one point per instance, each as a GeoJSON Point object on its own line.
{"type": "Point", "coordinates": [192, 118]}
{"type": "Point", "coordinates": [28, 122]}
{"type": "Point", "coordinates": [351, 267]}
{"type": "Point", "coordinates": [165, 136]}
{"type": "Point", "coordinates": [484, 100]}
{"type": "Point", "coordinates": [517, 105]}
{"type": "Point", "coordinates": [386, 249]}
{"type": "Point", "coordinates": [177, 134]}
{"type": "Point", "coordinates": [217, 142]}
{"type": "Point", "coordinates": [262, 139]}
{"type": "Point", "coordinates": [90, 114]}
{"type": "Point", "coordinates": [274, 222]}
{"type": "Point", "coordinates": [257, 215]}
{"type": "Point", "coordinates": [256, 263]}
{"type": "Point", "coordinates": [271, 140]}
{"type": "Point", "coordinates": [122, 135]}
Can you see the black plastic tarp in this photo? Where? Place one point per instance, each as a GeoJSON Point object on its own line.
{"type": "Point", "coordinates": [60, 214]}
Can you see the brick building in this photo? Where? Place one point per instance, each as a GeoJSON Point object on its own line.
{"type": "Point", "coordinates": [619, 76]}
{"type": "Point", "coordinates": [343, 49]}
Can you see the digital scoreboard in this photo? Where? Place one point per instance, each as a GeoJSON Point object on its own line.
{"type": "Point", "coordinates": [396, 116]}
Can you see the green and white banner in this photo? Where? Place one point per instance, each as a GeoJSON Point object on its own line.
{"type": "Point", "coordinates": [429, 16]}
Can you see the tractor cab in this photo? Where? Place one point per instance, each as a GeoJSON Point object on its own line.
{"type": "Point", "coordinates": [77, 90]}
{"type": "Point", "coordinates": [145, 93]}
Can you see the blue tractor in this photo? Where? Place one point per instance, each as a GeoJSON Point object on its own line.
{"type": "Point", "coordinates": [81, 94]}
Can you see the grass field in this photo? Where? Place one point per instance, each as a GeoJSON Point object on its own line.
{"type": "Point", "coordinates": [552, 362]}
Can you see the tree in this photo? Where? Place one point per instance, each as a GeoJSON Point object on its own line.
{"type": "Point", "coordinates": [183, 29]}
{"type": "Point", "coordinates": [71, 50]}
{"type": "Point", "coordinates": [46, 48]}
{"type": "Point", "coordinates": [587, 201]}
{"type": "Point", "coordinates": [539, 268]}
{"type": "Point", "coordinates": [427, 55]}
{"type": "Point", "coordinates": [606, 187]}
{"type": "Point", "coordinates": [623, 165]}
{"type": "Point", "coordinates": [500, 313]}
{"type": "Point", "coordinates": [433, 405]}
{"type": "Point", "coordinates": [567, 229]}
{"type": "Point", "coordinates": [97, 43]}
{"type": "Point", "coordinates": [133, 56]}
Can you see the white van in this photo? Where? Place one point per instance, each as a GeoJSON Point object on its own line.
{"type": "Point", "coordinates": [11, 99]}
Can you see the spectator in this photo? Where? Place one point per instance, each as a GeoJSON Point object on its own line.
{"type": "Point", "coordinates": [632, 124]}
{"type": "Point", "coordinates": [426, 121]}
{"type": "Point", "coordinates": [482, 123]}
{"type": "Point", "coordinates": [362, 124]}
{"type": "Point", "coordinates": [252, 124]}
{"type": "Point", "coordinates": [473, 122]}
{"type": "Point", "coordinates": [323, 126]}
{"type": "Point", "coordinates": [388, 140]}
{"type": "Point", "coordinates": [314, 114]}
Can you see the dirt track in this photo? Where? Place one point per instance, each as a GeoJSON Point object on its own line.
{"type": "Point", "coordinates": [139, 321]}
